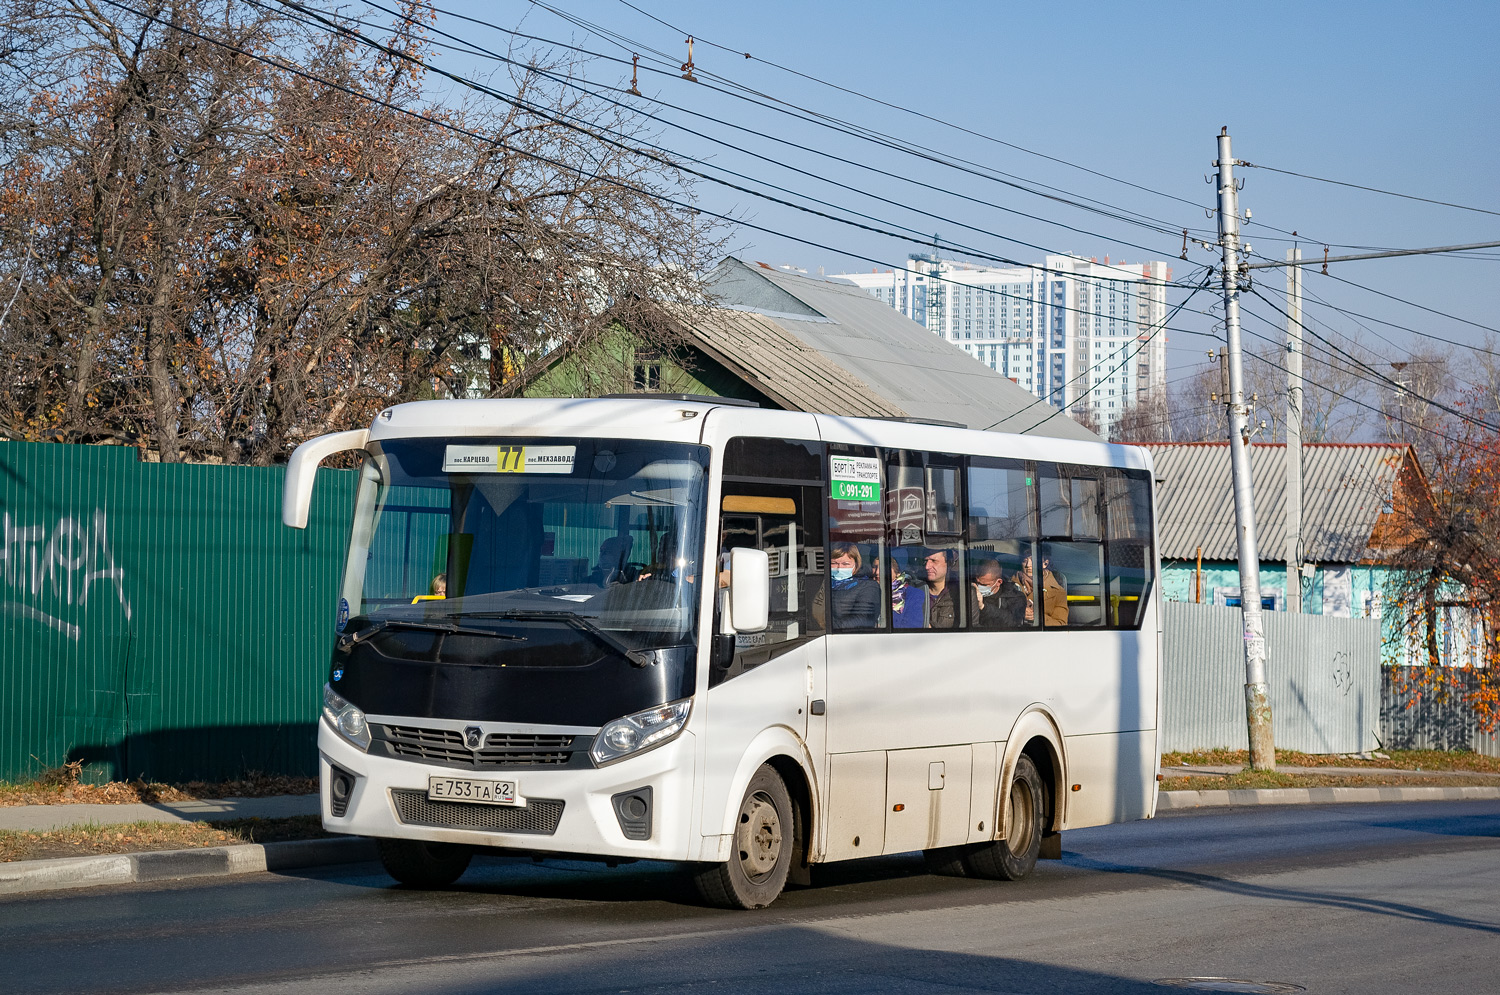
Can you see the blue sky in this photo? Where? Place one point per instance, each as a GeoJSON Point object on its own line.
{"type": "Point", "coordinates": [1393, 95]}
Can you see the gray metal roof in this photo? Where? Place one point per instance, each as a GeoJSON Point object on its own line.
{"type": "Point", "coordinates": [1345, 487]}
{"type": "Point", "coordinates": [898, 361]}
{"type": "Point", "coordinates": [780, 365]}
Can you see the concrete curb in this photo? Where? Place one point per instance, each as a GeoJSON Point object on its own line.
{"type": "Point", "coordinates": [1317, 796]}
{"type": "Point", "coordinates": [22, 876]}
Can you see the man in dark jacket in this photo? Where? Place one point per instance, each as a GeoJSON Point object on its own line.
{"type": "Point", "coordinates": [997, 605]}
{"type": "Point", "coordinates": [942, 598]}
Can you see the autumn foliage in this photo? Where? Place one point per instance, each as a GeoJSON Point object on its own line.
{"type": "Point", "coordinates": [1448, 566]}
{"type": "Point", "coordinates": [223, 230]}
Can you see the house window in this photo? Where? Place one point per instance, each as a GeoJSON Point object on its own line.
{"type": "Point", "coordinates": [647, 374]}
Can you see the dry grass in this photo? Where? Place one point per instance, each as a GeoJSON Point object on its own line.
{"type": "Point", "coordinates": [133, 837]}
{"type": "Point", "coordinates": [1277, 779]}
{"type": "Point", "coordinates": [1413, 760]}
{"type": "Point", "coordinates": [61, 786]}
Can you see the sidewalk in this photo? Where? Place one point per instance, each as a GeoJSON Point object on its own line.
{"type": "Point", "coordinates": [43, 818]}
{"type": "Point", "coordinates": [23, 876]}
{"type": "Point", "coordinates": [1222, 797]}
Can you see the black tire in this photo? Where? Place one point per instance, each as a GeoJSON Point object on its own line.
{"type": "Point", "coordinates": [421, 864]}
{"type": "Point", "coordinates": [763, 843]}
{"type": "Point", "coordinates": [1013, 858]}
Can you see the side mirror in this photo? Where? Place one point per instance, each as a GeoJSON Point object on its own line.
{"type": "Point", "coordinates": [302, 470]}
{"type": "Point", "coordinates": [749, 589]}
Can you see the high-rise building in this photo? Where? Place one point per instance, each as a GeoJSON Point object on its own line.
{"type": "Point", "coordinates": [1076, 332]}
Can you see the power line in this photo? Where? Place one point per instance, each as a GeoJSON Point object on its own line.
{"type": "Point", "coordinates": [920, 239]}
{"type": "Point", "coordinates": [1352, 400]}
{"type": "Point", "coordinates": [1358, 186]}
{"type": "Point", "coordinates": [807, 115]}
{"type": "Point", "coordinates": [595, 133]}
{"type": "Point", "coordinates": [907, 110]}
{"type": "Point", "coordinates": [1419, 307]}
{"type": "Point", "coordinates": [1381, 379]}
{"type": "Point", "coordinates": [825, 121]}
{"type": "Point", "coordinates": [1377, 254]}
{"type": "Point", "coordinates": [589, 26]}
{"type": "Point", "coordinates": [1141, 345]}
{"type": "Point", "coordinates": [1404, 328]}
{"type": "Point", "coordinates": [498, 143]}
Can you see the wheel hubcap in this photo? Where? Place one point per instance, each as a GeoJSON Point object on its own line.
{"type": "Point", "coordinates": [1022, 819]}
{"type": "Point", "coordinates": [758, 836]}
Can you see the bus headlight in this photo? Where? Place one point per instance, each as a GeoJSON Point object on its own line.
{"type": "Point", "coordinates": [346, 718]}
{"type": "Point", "coordinates": [633, 734]}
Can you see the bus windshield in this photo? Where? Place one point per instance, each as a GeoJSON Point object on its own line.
{"type": "Point", "coordinates": [600, 536]}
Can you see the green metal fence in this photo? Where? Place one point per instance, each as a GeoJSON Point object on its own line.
{"type": "Point", "coordinates": [158, 620]}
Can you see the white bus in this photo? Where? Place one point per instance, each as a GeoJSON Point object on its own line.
{"type": "Point", "coordinates": [688, 629]}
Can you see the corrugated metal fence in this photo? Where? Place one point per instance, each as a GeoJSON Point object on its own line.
{"type": "Point", "coordinates": [1324, 675]}
{"type": "Point", "coordinates": [1435, 721]}
{"type": "Point", "coordinates": [158, 620]}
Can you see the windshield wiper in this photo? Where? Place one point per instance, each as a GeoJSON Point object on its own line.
{"type": "Point", "coordinates": [447, 628]}
{"type": "Point", "coordinates": [637, 658]}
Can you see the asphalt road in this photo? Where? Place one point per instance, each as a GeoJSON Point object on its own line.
{"type": "Point", "coordinates": [1349, 898]}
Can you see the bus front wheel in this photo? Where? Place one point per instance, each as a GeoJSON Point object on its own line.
{"type": "Point", "coordinates": [1012, 858]}
{"type": "Point", "coordinates": [757, 868]}
{"type": "Point", "coordinates": [422, 864]}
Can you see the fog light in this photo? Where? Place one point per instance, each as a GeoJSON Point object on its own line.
{"type": "Point", "coordinates": [633, 811]}
{"type": "Point", "coordinates": [340, 790]}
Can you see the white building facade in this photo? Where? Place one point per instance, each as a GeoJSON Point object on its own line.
{"type": "Point", "coordinates": [1081, 334]}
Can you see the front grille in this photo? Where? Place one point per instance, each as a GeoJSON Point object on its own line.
{"type": "Point", "coordinates": [500, 749]}
{"type": "Point", "coordinates": [540, 816]}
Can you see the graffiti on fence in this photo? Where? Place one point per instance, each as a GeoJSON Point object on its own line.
{"type": "Point", "coordinates": [1343, 674]}
{"type": "Point", "coordinates": [47, 573]}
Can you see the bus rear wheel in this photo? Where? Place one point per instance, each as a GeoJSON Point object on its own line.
{"type": "Point", "coordinates": [422, 864]}
{"type": "Point", "coordinates": [757, 868]}
{"type": "Point", "coordinates": [1012, 858]}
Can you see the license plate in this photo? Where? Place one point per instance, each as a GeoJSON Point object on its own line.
{"type": "Point", "coordinates": [465, 789]}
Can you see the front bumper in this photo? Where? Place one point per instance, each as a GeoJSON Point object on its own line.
{"type": "Point", "coordinates": [389, 800]}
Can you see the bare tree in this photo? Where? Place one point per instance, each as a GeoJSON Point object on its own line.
{"type": "Point", "coordinates": [250, 229]}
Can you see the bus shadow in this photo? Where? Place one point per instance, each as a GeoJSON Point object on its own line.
{"type": "Point", "coordinates": [786, 959]}
{"type": "Point", "coordinates": [1245, 889]}
{"type": "Point", "coordinates": [645, 882]}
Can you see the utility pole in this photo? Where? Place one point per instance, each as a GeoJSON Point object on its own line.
{"type": "Point", "coordinates": [1257, 698]}
{"type": "Point", "coordinates": [1400, 426]}
{"type": "Point", "coordinates": [1294, 431]}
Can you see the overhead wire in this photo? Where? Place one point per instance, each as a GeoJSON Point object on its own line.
{"type": "Point", "coordinates": [1360, 186]}
{"type": "Point", "coordinates": [589, 26]}
{"type": "Point", "coordinates": [1140, 345]}
{"type": "Point", "coordinates": [919, 238]}
{"type": "Point", "coordinates": [625, 43]}
{"type": "Point", "coordinates": [457, 129]}
{"type": "Point", "coordinates": [1375, 377]}
{"type": "Point", "coordinates": [1352, 400]}
{"type": "Point", "coordinates": [1420, 307]}
{"type": "Point", "coordinates": [329, 24]}
{"type": "Point", "coordinates": [1161, 227]}
{"type": "Point", "coordinates": [1347, 312]}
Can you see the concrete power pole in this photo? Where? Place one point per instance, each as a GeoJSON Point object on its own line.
{"type": "Point", "coordinates": [1294, 431]}
{"type": "Point", "coordinates": [1257, 698]}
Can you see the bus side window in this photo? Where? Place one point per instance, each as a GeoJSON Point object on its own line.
{"type": "Point", "coordinates": [773, 500]}
{"type": "Point", "coordinates": [855, 601]}
{"type": "Point", "coordinates": [925, 572]}
{"type": "Point", "coordinates": [1071, 570]}
{"type": "Point", "coordinates": [1128, 557]}
{"type": "Point", "coordinates": [1002, 537]}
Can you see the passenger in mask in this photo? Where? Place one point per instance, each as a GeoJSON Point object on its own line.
{"type": "Point", "coordinates": [856, 597]}
{"type": "Point", "coordinates": [997, 605]}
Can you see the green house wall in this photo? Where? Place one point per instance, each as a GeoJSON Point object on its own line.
{"type": "Point", "coordinates": [609, 368]}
